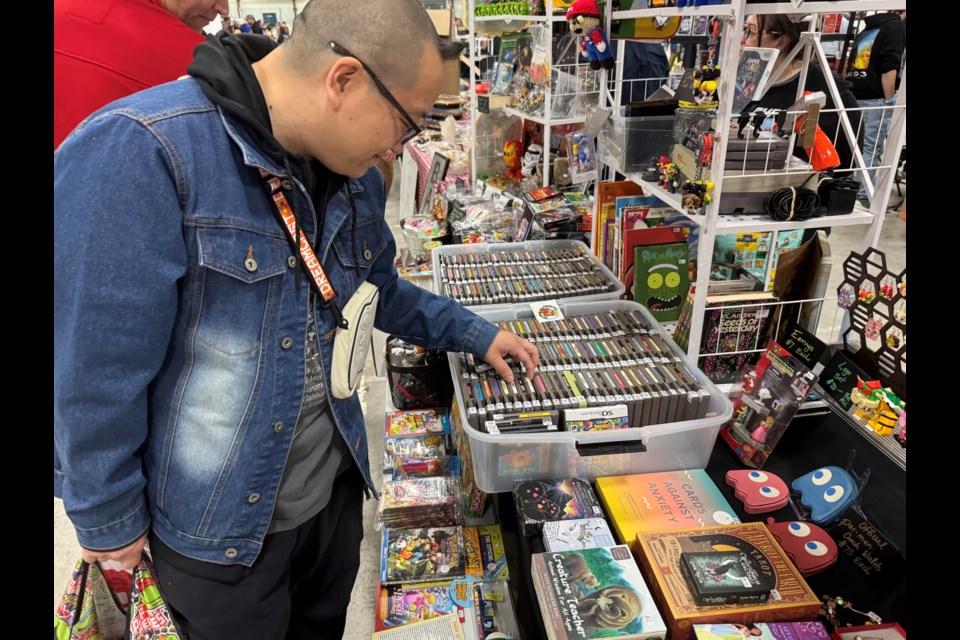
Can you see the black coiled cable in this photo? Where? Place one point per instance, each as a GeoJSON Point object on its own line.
{"type": "Point", "coordinates": [792, 203]}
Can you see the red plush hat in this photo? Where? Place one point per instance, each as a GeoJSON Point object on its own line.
{"type": "Point", "coordinates": [583, 8]}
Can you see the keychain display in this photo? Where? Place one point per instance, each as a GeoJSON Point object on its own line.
{"type": "Point", "coordinates": [582, 155]}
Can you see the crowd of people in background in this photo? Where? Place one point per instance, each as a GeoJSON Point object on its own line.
{"type": "Point", "coordinates": [279, 31]}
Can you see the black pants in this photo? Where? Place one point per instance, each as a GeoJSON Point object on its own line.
{"type": "Point", "coordinates": [298, 588]}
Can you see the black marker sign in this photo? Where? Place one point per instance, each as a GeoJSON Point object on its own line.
{"type": "Point", "coordinates": [839, 378]}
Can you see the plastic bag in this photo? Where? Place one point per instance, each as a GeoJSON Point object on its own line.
{"type": "Point", "coordinates": [90, 610]}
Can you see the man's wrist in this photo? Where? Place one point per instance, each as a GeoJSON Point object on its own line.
{"type": "Point", "coordinates": [890, 100]}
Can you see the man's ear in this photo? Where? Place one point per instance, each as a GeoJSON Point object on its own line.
{"type": "Point", "coordinates": [342, 77]}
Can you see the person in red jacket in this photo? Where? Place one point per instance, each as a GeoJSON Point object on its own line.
{"type": "Point", "coordinates": [104, 50]}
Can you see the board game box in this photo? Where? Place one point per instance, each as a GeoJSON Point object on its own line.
{"type": "Point", "coordinates": [540, 501]}
{"type": "Point", "coordinates": [594, 593]}
{"type": "Point", "coordinates": [663, 501]}
{"type": "Point", "coordinates": [791, 599]}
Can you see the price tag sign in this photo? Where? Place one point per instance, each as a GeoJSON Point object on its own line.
{"type": "Point", "coordinates": [870, 551]}
{"type": "Point", "coordinates": [806, 347]}
{"type": "Point", "coordinates": [839, 378]}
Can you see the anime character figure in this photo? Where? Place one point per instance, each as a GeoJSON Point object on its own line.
{"type": "Point", "coordinates": [531, 159]}
{"type": "Point", "coordinates": [511, 157]}
{"type": "Point", "coordinates": [809, 547]}
{"type": "Point", "coordinates": [584, 20]}
{"type": "Point", "coordinates": [760, 491]}
{"type": "Point", "coordinates": [827, 492]}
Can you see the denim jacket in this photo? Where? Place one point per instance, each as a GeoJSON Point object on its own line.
{"type": "Point", "coordinates": [179, 324]}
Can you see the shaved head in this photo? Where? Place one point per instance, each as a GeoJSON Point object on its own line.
{"type": "Point", "coordinates": [389, 35]}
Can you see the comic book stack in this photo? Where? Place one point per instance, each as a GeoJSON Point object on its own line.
{"type": "Point", "coordinates": [609, 358]}
{"type": "Point", "coordinates": [504, 275]}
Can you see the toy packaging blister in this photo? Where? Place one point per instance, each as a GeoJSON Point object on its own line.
{"type": "Point", "coordinates": [582, 153]}
{"type": "Point", "coordinates": [770, 395]}
{"type": "Point", "coordinates": [540, 501]}
{"type": "Point", "coordinates": [430, 446]}
{"type": "Point", "coordinates": [419, 555]}
{"type": "Point", "coordinates": [420, 502]}
{"type": "Point", "coordinates": [417, 422]}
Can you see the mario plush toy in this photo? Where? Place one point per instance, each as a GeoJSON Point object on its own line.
{"type": "Point", "coordinates": [584, 20]}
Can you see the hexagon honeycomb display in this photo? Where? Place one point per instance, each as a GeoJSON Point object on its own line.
{"type": "Point", "coordinates": [877, 298]}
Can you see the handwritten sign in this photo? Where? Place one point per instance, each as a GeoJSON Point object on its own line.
{"type": "Point", "coordinates": [806, 347]}
{"type": "Point", "coordinates": [839, 378]}
{"type": "Point", "coordinates": [867, 548]}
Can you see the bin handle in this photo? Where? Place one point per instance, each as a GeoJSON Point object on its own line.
{"type": "Point", "coordinates": [610, 448]}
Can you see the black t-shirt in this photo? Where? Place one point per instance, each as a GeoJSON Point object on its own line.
{"type": "Point", "coordinates": [781, 96]}
{"type": "Point", "coordinates": [877, 50]}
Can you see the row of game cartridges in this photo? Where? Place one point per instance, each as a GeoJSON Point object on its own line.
{"type": "Point", "coordinates": [559, 355]}
{"type": "Point", "coordinates": [549, 256]}
{"type": "Point", "coordinates": [497, 292]}
{"type": "Point", "coordinates": [484, 273]}
{"type": "Point", "coordinates": [654, 393]}
{"type": "Point", "coordinates": [590, 326]}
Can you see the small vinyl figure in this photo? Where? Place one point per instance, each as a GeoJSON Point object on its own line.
{"type": "Point", "coordinates": [511, 157]}
{"type": "Point", "coordinates": [584, 20]}
{"type": "Point", "coordinates": [759, 434]}
{"type": "Point", "coordinates": [531, 159]}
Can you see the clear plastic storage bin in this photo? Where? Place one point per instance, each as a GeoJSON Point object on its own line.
{"type": "Point", "coordinates": [627, 144]}
{"type": "Point", "coordinates": [499, 460]}
{"type": "Point", "coordinates": [614, 288]}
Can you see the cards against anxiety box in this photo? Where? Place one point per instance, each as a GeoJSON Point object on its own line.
{"type": "Point", "coordinates": [594, 593]}
{"type": "Point", "coordinates": [663, 501]}
{"type": "Point", "coordinates": [658, 552]}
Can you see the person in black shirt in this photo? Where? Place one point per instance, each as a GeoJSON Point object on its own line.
{"type": "Point", "coordinates": [874, 73]}
{"type": "Point", "coordinates": [781, 32]}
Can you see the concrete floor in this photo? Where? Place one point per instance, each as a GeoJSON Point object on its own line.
{"type": "Point", "coordinates": [360, 615]}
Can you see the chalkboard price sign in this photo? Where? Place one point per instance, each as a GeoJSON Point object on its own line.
{"type": "Point", "coordinates": [806, 347]}
{"type": "Point", "coordinates": [839, 378]}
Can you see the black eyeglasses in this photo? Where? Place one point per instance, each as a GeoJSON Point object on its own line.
{"type": "Point", "coordinates": [414, 129]}
{"type": "Point", "coordinates": [749, 32]}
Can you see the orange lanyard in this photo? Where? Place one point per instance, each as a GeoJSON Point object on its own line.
{"type": "Point", "coordinates": [308, 259]}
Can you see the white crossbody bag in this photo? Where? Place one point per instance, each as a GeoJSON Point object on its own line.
{"type": "Point", "coordinates": [351, 345]}
{"type": "Point", "coordinates": [354, 323]}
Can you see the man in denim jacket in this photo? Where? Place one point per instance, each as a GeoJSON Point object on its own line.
{"type": "Point", "coordinates": [192, 354]}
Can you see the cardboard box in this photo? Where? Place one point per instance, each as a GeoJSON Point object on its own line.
{"type": "Point", "coordinates": [451, 78]}
{"type": "Point", "coordinates": [487, 103]}
{"type": "Point", "coordinates": [442, 21]}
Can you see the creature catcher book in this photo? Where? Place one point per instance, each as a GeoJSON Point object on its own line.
{"type": "Point", "coordinates": [594, 593]}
